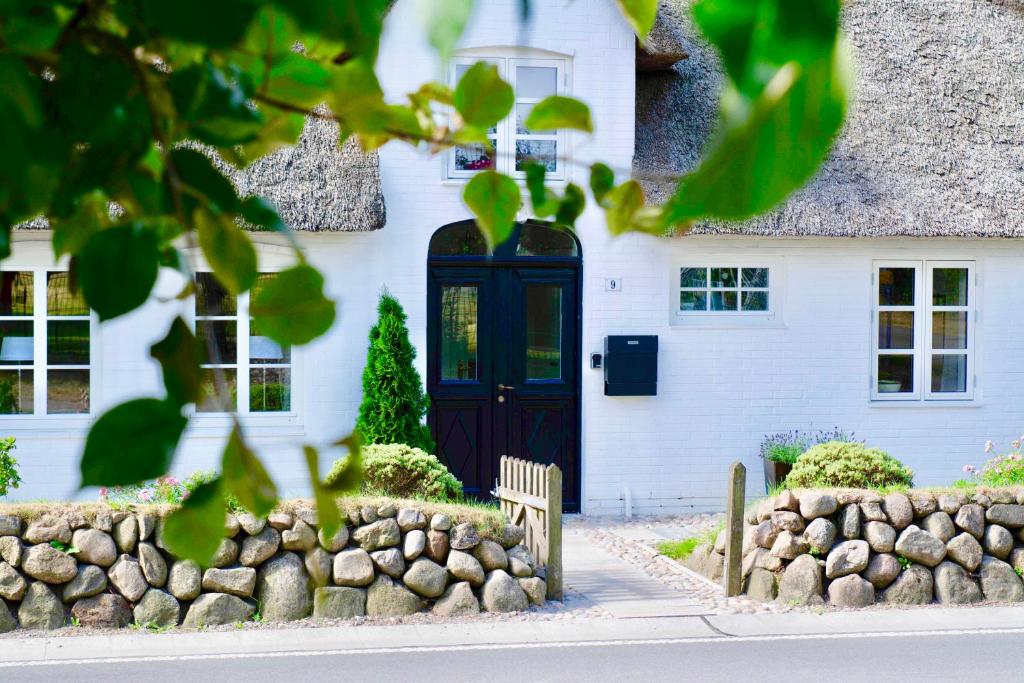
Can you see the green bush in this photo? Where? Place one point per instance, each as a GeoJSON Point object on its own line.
{"type": "Point", "coordinates": [837, 464]}
{"type": "Point", "coordinates": [9, 478]}
{"type": "Point", "coordinates": [402, 471]}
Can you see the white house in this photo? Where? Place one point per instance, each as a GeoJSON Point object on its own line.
{"type": "Point", "coordinates": [881, 299]}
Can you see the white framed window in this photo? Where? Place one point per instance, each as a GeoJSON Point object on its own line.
{"type": "Point", "coordinates": [724, 289]}
{"type": "Point", "coordinates": [46, 338]}
{"type": "Point", "coordinates": [256, 370]}
{"type": "Point", "coordinates": [923, 330]}
{"type": "Point", "coordinates": [513, 144]}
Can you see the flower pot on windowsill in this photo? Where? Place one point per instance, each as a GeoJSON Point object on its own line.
{"type": "Point", "coordinates": [774, 473]}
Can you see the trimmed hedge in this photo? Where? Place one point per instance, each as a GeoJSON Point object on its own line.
{"type": "Point", "coordinates": [837, 464]}
{"type": "Point", "coordinates": [403, 471]}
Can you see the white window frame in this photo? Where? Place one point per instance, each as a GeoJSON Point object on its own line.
{"type": "Point", "coordinates": [506, 131]}
{"type": "Point", "coordinates": [710, 263]}
{"type": "Point", "coordinates": [922, 349]}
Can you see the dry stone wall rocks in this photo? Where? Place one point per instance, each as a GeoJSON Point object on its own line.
{"type": "Point", "coordinates": [105, 610]}
{"type": "Point", "coordinates": [49, 564]}
{"type": "Point", "coordinates": [335, 602]}
{"type": "Point", "coordinates": [458, 601]}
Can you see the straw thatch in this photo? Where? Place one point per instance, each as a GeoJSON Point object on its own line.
{"type": "Point", "coordinates": [934, 144]}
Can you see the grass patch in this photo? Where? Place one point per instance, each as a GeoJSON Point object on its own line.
{"type": "Point", "coordinates": [680, 550]}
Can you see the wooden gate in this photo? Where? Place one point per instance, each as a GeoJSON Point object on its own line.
{"type": "Point", "coordinates": [531, 495]}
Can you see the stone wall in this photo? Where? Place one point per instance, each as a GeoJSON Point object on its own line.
{"type": "Point", "coordinates": [854, 548]}
{"type": "Point", "coordinates": [108, 568]}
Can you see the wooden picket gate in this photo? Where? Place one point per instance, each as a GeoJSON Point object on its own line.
{"type": "Point", "coordinates": [531, 495]}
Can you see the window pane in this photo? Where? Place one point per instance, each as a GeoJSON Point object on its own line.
{"type": "Point", "coordinates": [949, 373]}
{"type": "Point", "coordinates": [264, 350]}
{"type": "Point", "coordinates": [543, 331]}
{"type": "Point", "coordinates": [16, 392]}
{"type": "Point", "coordinates": [755, 301]}
{"type": "Point", "coordinates": [896, 329]}
{"type": "Point", "coordinates": [270, 390]}
{"type": "Point", "coordinates": [755, 277]}
{"type": "Point", "coordinates": [542, 151]}
{"type": "Point", "coordinates": [693, 277]}
{"type": "Point", "coordinates": [540, 240]}
{"type": "Point", "coordinates": [16, 342]}
{"type": "Point", "coordinates": [724, 301]}
{"type": "Point", "coordinates": [895, 374]}
{"type": "Point", "coordinates": [536, 81]}
{"type": "Point", "coordinates": [693, 301]}
{"type": "Point", "coordinates": [222, 337]}
{"type": "Point", "coordinates": [16, 293]}
{"type": "Point", "coordinates": [67, 342]}
{"type": "Point", "coordinates": [896, 286]}
{"type": "Point", "coordinates": [949, 330]}
{"type": "Point", "coordinates": [723, 277]}
{"type": "Point", "coordinates": [463, 239]}
{"type": "Point", "coordinates": [208, 384]}
{"type": "Point", "coordinates": [67, 392]}
{"type": "Point", "coordinates": [473, 158]}
{"type": "Point", "coordinates": [60, 300]}
{"type": "Point", "coordinates": [212, 298]}
{"type": "Point", "coordinates": [949, 287]}
{"type": "Point", "coordinates": [522, 113]}
{"type": "Point", "coordinates": [458, 333]}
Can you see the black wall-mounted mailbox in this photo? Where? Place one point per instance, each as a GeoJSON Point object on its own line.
{"type": "Point", "coordinates": [631, 365]}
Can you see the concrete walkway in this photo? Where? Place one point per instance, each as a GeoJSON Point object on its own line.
{"type": "Point", "coordinates": [618, 587]}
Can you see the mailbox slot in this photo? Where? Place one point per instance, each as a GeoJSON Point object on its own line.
{"type": "Point", "coordinates": [631, 365]}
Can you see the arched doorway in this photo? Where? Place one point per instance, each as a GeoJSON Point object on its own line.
{"type": "Point", "coordinates": [503, 352]}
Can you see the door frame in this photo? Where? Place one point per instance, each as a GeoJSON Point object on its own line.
{"type": "Point", "coordinates": [443, 267]}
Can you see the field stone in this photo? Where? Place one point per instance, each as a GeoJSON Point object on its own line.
{"type": "Point", "coordinates": [814, 504]}
{"type": "Point", "coordinates": [231, 525]}
{"type": "Point", "coordinates": [759, 558]}
{"type": "Point", "coordinates": [239, 581]}
{"type": "Point", "coordinates": [94, 547]}
{"type": "Point", "coordinates": [10, 525]}
{"type": "Point", "coordinates": [535, 588]}
{"type": "Point", "coordinates": [954, 586]}
{"type": "Point", "coordinates": [300, 537]}
{"type": "Point", "coordinates": [7, 621]}
{"type": "Point", "coordinates": [105, 610]}
{"type": "Point", "coordinates": [147, 525]}
{"type": "Point", "coordinates": [848, 557]}
{"type": "Point", "coordinates": [154, 567]}
{"type": "Point", "coordinates": [458, 601]}
{"type": "Point", "coordinates": [490, 555]}
{"type": "Point", "coordinates": [788, 521]}
{"type": "Point", "coordinates": [820, 535]}
{"type": "Point", "coordinates": [11, 550]}
{"type": "Point", "coordinates": [502, 593]}
{"type": "Point", "coordinates": [848, 521]}
{"type": "Point", "coordinates": [789, 547]}
{"type": "Point", "coordinates": [463, 536]}
{"type": "Point", "coordinates": [851, 591]}
{"type": "Point", "coordinates": [411, 518]}
{"type": "Point", "coordinates": [786, 500]}
{"type": "Point", "coordinates": [923, 503]}
{"type": "Point", "coordinates": [880, 536]}
{"type": "Point", "coordinates": [965, 550]}
{"type": "Point", "coordinates": [283, 589]}
{"type": "Point", "coordinates": [252, 524]}
{"type": "Point", "coordinates": [217, 609]}
{"type": "Point", "coordinates": [126, 534]}
{"type": "Point", "coordinates": [353, 568]}
{"type": "Point", "coordinates": [227, 553]}
{"type": "Point", "coordinates": [720, 542]}
{"type": "Point", "coordinates": [748, 539]}
{"type": "Point", "coordinates": [761, 585]}
{"type": "Point", "coordinates": [873, 512]}
{"type": "Point", "coordinates": [389, 561]}
{"type": "Point", "coordinates": [440, 522]}
{"type": "Point", "coordinates": [898, 509]}
{"type": "Point", "coordinates": [386, 510]}
{"type": "Point", "coordinates": [413, 544]}
{"type": "Point", "coordinates": [40, 608]}
{"type": "Point", "coordinates": [49, 564]}
{"type": "Point", "coordinates": [385, 598]}
{"type": "Point", "coordinates": [801, 582]}
{"type": "Point", "coordinates": [437, 546]}
{"type": "Point", "coordinates": [157, 607]}
{"type": "Point", "coordinates": [971, 518]}
{"type": "Point", "coordinates": [913, 586]}
{"type": "Point", "coordinates": [336, 542]}
{"type": "Point", "coordinates": [89, 581]}
{"type": "Point", "coordinates": [12, 583]}
{"type": "Point", "coordinates": [714, 566]}
{"type": "Point", "coordinates": [1007, 515]}
{"type": "Point", "coordinates": [465, 567]}
{"type": "Point", "coordinates": [260, 548]}
{"type": "Point", "coordinates": [334, 602]}
{"type": "Point", "coordinates": [368, 514]}
{"type": "Point", "coordinates": [376, 535]}
{"type": "Point", "coordinates": [281, 520]}
{"type": "Point", "coordinates": [185, 580]}
{"type": "Point", "coordinates": [426, 578]}
{"type": "Point", "coordinates": [948, 503]}
{"type": "Point", "coordinates": [48, 528]}
{"type": "Point", "coordinates": [997, 541]}
{"type": "Point", "coordinates": [882, 570]}
{"type": "Point", "coordinates": [1017, 559]}
{"type": "Point", "coordinates": [319, 565]}
{"type": "Point", "coordinates": [511, 535]}
{"type": "Point", "coordinates": [999, 582]}
{"type": "Point", "coordinates": [158, 534]}
{"type": "Point", "coordinates": [940, 525]}
{"type": "Point", "coordinates": [920, 546]}
{"type": "Point", "coordinates": [765, 534]}
{"type": "Point", "coordinates": [523, 554]}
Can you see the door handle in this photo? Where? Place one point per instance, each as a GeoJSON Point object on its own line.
{"type": "Point", "coordinates": [504, 387]}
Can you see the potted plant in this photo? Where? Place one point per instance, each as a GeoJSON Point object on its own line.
{"type": "Point", "coordinates": [780, 451]}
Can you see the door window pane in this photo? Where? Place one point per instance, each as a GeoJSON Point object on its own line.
{"type": "Point", "coordinates": [16, 293]}
{"type": "Point", "coordinates": [540, 240]}
{"type": "Point", "coordinates": [536, 82]}
{"type": "Point", "coordinates": [60, 300]}
{"type": "Point", "coordinates": [896, 329]}
{"type": "Point", "coordinates": [895, 374]}
{"type": "Point", "coordinates": [270, 390]}
{"type": "Point", "coordinates": [949, 330]}
{"type": "Point", "coordinates": [949, 373]}
{"type": "Point", "coordinates": [755, 277]}
{"type": "Point", "coordinates": [473, 158]}
{"type": "Point", "coordinates": [458, 333]}
{"type": "Point", "coordinates": [462, 239]}
{"type": "Point", "coordinates": [543, 332]}
{"type": "Point", "coordinates": [67, 391]}
{"type": "Point", "coordinates": [949, 286]}
{"type": "Point", "coordinates": [16, 392]}
{"type": "Point", "coordinates": [896, 286]}
{"type": "Point", "coordinates": [16, 345]}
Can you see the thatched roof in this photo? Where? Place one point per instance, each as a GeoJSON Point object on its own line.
{"type": "Point", "coordinates": [934, 144]}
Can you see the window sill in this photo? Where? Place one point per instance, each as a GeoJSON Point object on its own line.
{"type": "Point", "coordinates": [711, 321]}
{"type": "Point", "coordinates": [910, 404]}
{"type": "Point", "coordinates": [216, 424]}
{"type": "Point", "coordinates": [71, 426]}
{"type": "Point", "coordinates": [460, 182]}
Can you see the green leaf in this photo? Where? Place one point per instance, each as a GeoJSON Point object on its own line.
{"type": "Point", "coordinates": [356, 23]}
{"type": "Point", "coordinates": [556, 112]}
{"type": "Point", "coordinates": [640, 14]}
{"type": "Point", "coordinates": [215, 105]}
{"type": "Point", "coordinates": [214, 24]}
{"type": "Point", "coordinates": [543, 200]}
{"type": "Point", "coordinates": [117, 269]}
{"type": "Point", "coordinates": [132, 442]}
{"type": "Point", "coordinates": [622, 205]}
{"type": "Point", "coordinates": [196, 171]}
{"type": "Point", "coordinates": [495, 200]}
{"type": "Point", "coordinates": [228, 250]}
{"type": "Point", "coordinates": [180, 354]}
{"type": "Point", "coordinates": [91, 214]}
{"type": "Point", "coordinates": [571, 206]}
{"type": "Point", "coordinates": [328, 514]}
{"type": "Point", "coordinates": [292, 308]}
{"type": "Point", "coordinates": [245, 477]}
{"type": "Point", "coordinates": [349, 478]}
{"type": "Point", "coordinates": [602, 180]}
{"type": "Point", "coordinates": [445, 22]}
{"type": "Point", "coordinates": [481, 97]}
{"type": "Point", "coordinates": [194, 531]}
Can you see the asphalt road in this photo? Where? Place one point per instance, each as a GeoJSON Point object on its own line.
{"type": "Point", "coordinates": [954, 656]}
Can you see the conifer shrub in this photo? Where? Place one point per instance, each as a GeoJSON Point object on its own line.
{"type": "Point", "coordinates": [394, 403]}
{"type": "Point", "coordinates": [838, 464]}
{"type": "Point", "coordinates": [400, 471]}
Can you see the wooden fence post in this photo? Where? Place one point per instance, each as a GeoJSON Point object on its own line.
{"type": "Point", "coordinates": [733, 575]}
{"type": "Point", "coordinates": [554, 533]}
